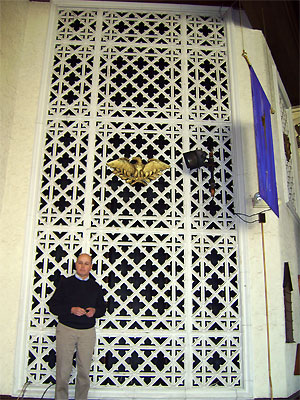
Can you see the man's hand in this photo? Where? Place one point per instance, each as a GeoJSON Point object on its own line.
{"type": "Point", "coordinates": [90, 311]}
{"type": "Point", "coordinates": [78, 311]}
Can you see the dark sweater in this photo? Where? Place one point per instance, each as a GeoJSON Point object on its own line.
{"type": "Point", "coordinates": [72, 292]}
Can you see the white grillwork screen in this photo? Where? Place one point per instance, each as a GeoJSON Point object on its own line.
{"type": "Point", "coordinates": [287, 138]}
{"type": "Point", "coordinates": [154, 85]}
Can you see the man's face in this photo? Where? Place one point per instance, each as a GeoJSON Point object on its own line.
{"type": "Point", "coordinates": [83, 265]}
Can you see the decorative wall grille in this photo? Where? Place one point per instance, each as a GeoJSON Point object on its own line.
{"type": "Point", "coordinates": [154, 85]}
{"type": "Point", "coordinates": [287, 139]}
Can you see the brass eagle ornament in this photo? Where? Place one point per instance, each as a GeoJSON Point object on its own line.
{"type": "Point", "coordinates": [135, 171]}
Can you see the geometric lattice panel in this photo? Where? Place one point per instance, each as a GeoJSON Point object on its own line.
{"type": "Point", "coordinates": [140, 361]}
{"type": "Point", "coordinates": [151, 85]}
{"type": "Point", "coordinates": [215, 283]}
{"type": "Point", "coordinates": [216, 361]}
{"type": "Point", "coordinates": [144, 281]}
{"type": "Point", "coordinates": [289, 156]}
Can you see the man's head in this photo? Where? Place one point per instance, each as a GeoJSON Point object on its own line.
{"type": "Point", "coordinates": [83, 265]}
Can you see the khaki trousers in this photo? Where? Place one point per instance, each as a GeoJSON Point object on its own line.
{"type": "Point", "coordinates": [67, 341]}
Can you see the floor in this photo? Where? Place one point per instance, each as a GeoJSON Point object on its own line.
{"type": "Point", "coordinates": [295, 396]}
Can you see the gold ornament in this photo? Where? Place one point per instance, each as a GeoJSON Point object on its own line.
{"type": "Point", "coordinates": [137, 171]}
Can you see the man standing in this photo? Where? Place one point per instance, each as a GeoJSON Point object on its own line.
{"type": "Point", "coordinates": [77, 301]}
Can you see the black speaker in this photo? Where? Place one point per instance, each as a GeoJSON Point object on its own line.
{"type": "Point", "coordinates": [194, 159]}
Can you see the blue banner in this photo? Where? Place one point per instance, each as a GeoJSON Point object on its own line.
{"type": "Point", "coordinates": [264, 144]}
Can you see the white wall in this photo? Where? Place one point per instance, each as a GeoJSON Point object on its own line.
{"type": "Point", "coordinates": [281, 236]}
{"type": "Point", "coordinates": [23, 34]}
{"type": "Point", "coordinates": [24, 30]}
{"type": "Point", "coordinates": [11, 49]}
